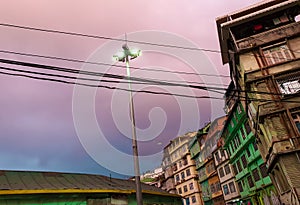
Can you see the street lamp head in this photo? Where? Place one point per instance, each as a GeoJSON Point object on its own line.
{"type": "Point", "coordinates": [120, 56]}
{"type": "Point", "coordinates": [135, 53]}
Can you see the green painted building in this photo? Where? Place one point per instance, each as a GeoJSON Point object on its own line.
{"type": "Point", "coordinates": [49, 188]}
{"type": "Point", "coordinates": [195, 146]}
{"type": "Point", "coordinates": [251, 175]}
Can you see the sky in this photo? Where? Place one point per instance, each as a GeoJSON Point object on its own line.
{"type": "Point", "coordinates": [48, 126]}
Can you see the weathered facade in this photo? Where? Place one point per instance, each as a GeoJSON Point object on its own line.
{"type": "Point", "coordinates": [34, 188]}
{"type": "Point", "coordinates": [261, 44]}
{"type": "Point", "coordinates": [180, 172]}
{"type": "Point", "coordinates": [249, 169]}
{"type": "Point", "coordinates": [226, 175]}
{"type": "Point", "coordinates": [208, 177]}
{"type": "Point", "coordinates": [195, 146]}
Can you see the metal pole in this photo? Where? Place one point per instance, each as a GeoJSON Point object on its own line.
{"type": "Point", "coordinates": [139, 198]}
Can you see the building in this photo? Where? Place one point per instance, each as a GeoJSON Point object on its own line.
{"type": "Point", "coordinates": [226, 175]}
{"type": "Point", "coordinates": [208, 177]}
{"type": "Point", "coordinates": [195, 146]}
{"type": "Point", "coordinates": [24, 187]}
{"type": "Point", "coordinates": [261, 45]}
{"type": "Point", "coordinates": [180, 169]}
{"type": "Point", "coordinates": [153, 177]}
{"type": "Point", "coordinates": [254, 184]}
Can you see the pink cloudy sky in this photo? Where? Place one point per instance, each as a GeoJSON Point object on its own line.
{"type": "Point", "coordinates": [36, 121]}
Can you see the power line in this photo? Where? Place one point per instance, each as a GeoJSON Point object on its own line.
{"type": "Point", "coordinates": [99, 86]}
{"type": "Point", "coordinates": [133, 79]}
{"type": "Point", "coordinates": [107, 75]}
{"type": "Point", "coordinates": [123, 89]}
{"type": "Point", "coordinates": [107, 64]}
{"type": "Point", "coordinates": [103, 37]}
{"type": "Point", "coordinates": [117, 39]}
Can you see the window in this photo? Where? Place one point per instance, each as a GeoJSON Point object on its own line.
{"type": "Point", "coordinates": [188, 172]}
{"type": "Point", "coordinates": [244, 161]}
{"type": "Point", "coordinates": [212, 188]}
{"type": "Point", "coordinates": [182, 175]}
{"type": "Point", "coordinates": [250, 181]}
{"type": "Point", "coordinates": [217, 156]}
{"type": "Point", "coordinates": [235, 169]}
{"type": "Point", "coordinates": [248, 152]}
{"type": "Point", "coordinates": [263, 170]}
{"type": "Point", "coordinates": [232, 187]}
{"type": "Point", "coordinates": [240, 186]}
{"type": "Point", "coordinates": [248, 128]}
{"type": "Point", "coordinates": [185, 162]}
{"type": "Point", "coordinates": [221, 172]}
{"type": "Point", "coordinates": [201, 172]}
{"type": "Point", "coordinates": [289, 83]}
{"type": "Point", "coordinates": [194, 200]}
{"type": "Point", "coordinates": [218, 186]}
{"type": "Point", "coordinates": [243, 133]}
{"type": "Point", "coordinates": [227, 169]}
{"type": "Point", "coordinates": [280, 180]}
{"type": "Point", "coordinates": [225, 189]}
{"type": "Point", "coordinates": [180, 164]}
{"type": "Point", "coordinates": [255, 146]}
{"type": "Point", "coordinates": [185, 189]}
{"type": "Point", "coordinates": [179, 191]}
{"type": "Point", "coordinates": [191, 186]}
{"type": "Point", "coordinates": [175, 167]}
{"type": "Point", "coordinates": [187, 201]}
{"type": "Point", "coordinates": [296, 118]}
{"type": "Point", "coordinates": [276, 54]}
{"type": "Point", "coordinates": [237, 141]}
{"type": "Point", "coordinates": [239, 166]}
{"type": "Point", "coordinates": [222, 153]}
{"type": "Point", "coordinates": [255, 174]}
{"type": "Point", "coordinates": [177, 178]}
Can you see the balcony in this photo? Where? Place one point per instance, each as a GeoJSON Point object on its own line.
{"type": "Point", "coordinates": [268, 36]}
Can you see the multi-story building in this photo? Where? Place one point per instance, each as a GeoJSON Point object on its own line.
{"type": "Point", "coordinates": [167, 181]}
{"type": "Point", "coordinates": [254, 184]}
{"type": "Point", "coordinates": [261, 44]}
{"type": "Point", "coordinates": [180, 171]}
{"type": "Point", "coordinates": [186, 180]}
{"type": "Point", "coordinates": [153, 177]}
{"type": "Point", "coordinates": [226, 175]}
{"type": "Point", "coordinates": [208, 177]}
{"type": "Point", "coordinates": [195, 146]}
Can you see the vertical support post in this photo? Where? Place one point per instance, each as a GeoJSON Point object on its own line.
{"type": "Point", "coordinates": [139, 198]}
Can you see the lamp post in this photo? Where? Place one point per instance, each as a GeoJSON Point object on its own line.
{"type": "Point", "coordinates": [124, 56]}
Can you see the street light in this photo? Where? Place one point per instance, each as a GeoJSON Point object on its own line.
{"type": "Point", "coordinates": [125, 56]}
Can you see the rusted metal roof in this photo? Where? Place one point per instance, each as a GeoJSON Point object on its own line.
{"type": "Point", "coordinates": [30, 182]}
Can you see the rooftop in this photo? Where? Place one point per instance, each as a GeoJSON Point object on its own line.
{"type": "Point", "coordinates": [30, 182]}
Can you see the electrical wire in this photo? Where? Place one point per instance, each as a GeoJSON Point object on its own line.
{"type": "Point", "coordinates": [132, 79]}
{"type": "Point", "coordinates": [107, 75]}
{"type": "Point", "coordinates": [110, 65]}
{"type": "Point", "coordinates": [116, 39]}
{"type": "Point", "coordinates": [121, 77]}
{"type": "Point", "coordinates": [124, 89]}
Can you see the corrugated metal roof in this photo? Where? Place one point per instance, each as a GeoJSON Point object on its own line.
{"type": "Point", "coordinates": [19, 182]}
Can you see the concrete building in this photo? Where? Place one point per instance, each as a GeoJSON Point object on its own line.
{"type": "Point", "coordinates": [250, 170]}
{"type": "Point", "coordinates": [208, 177]}
{"type": "Point", "coordinates": [35, 188]}
{"type": "Point", "coordinates": [153, 177]}
{"type": "Point", "coordinates": [226, 175]}
{"type": "Point", "coordinates": [261, 45]}
{"type": "Point", "coordinates": [195, 146]}
{"type": "Point", "coordinates": [180, 171]}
